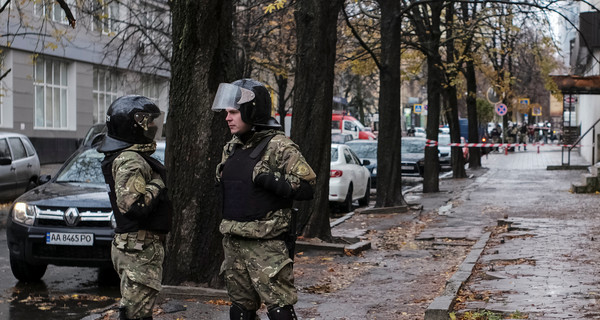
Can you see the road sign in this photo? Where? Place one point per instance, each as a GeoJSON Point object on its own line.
{"type": "Point", "coordinates": [569, 99]}
{"type": "Point", "coordinates": [492, 95]}
{"type": "Point", "coordinates": [536, 111]}
{"type": "Point", "coordinates": [524, 101]}
{"type": "Point", "coordinates": [501, 109]}
{"type": "Point", "coordinates": [418, 108]}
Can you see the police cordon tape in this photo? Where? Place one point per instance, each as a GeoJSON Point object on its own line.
{"type": "Point", "coordinates": [433, 143]}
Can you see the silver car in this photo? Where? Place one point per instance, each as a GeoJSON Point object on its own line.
{"type": "Point", "coordinates": [19, 165]}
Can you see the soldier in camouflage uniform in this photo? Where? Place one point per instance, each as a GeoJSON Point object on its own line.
{"type": "Point", "coordinates": [261, 173]}
{"type": "Point", "coordinates": [141, 209]}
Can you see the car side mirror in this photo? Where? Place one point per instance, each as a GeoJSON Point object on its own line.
{"type": "Point", "coordinates": [43, 179]}
{"type": "Point", "coordinates": [366, 162]}
{"type": "Point", "coordinates": [5, 161]}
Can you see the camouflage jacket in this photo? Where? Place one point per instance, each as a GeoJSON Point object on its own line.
{"type": "Point", "coordinates": [281, 157]}
{"type": "Point", "coordinates": [134, 178]}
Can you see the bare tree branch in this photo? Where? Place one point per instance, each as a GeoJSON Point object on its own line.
{"type": "Point", "coordinates": [68, 12]}
{"type": "Point", "coordinates": [5, 74]}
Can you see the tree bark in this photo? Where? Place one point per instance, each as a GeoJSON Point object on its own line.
{"type": "Point", "coordinates": [389, 173]}
{"type": "Point", "coordinates": [474, 153]}
{"type": "Point", "coordinates": [282, 83]}
{"type": "Point", "coordinates": [316, 23]}
{"type": "Point", "coordinates": [202, 56]}
{"type": "Point", "coordinates": [458, 163]}
{"type": "Point", "coordinates": [426, 19]}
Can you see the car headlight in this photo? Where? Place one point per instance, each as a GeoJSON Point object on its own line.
{"type": "Point", "coordinates": [113, 222]}
{"type": "Point", "coordinates": [24, 213]}
{"type": "Point", "coordinates": [375, 171]}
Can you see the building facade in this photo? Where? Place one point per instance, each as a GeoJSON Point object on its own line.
{"type": "Point", "coordinates": [57, 81]}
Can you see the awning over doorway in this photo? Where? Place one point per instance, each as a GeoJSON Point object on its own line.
{"type": "Point", "coordinates": [570, 84]}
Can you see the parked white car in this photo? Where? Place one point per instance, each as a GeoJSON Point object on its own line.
{"type": "Point", "coordinates": [349, 179]}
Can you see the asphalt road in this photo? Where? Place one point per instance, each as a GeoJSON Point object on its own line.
{"type": "Point", "coordinates": [64, 293]}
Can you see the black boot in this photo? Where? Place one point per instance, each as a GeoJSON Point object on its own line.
{"type": "Point", "coordinates": [282, 313]}
{"type": "Point", "coordinates": [237, 312]}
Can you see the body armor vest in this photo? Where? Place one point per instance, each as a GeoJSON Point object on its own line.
{"type": "Point", "coordinates": [242, 199]}
{"type": "Point", "coordinates": [159, 220]}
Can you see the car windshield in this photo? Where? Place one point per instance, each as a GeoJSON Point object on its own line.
{"type": "Point", "coordinates": [334, 154]}
{"type": "Point", "coordinates": [364, 150]}
{"type": "Point", "coordinates": [413, 146]}
{"type": "Point", "coordinates": [86, 167]}
{"type": "Point", "coordinates": [444, 140]}
{"type": "Point", "coordinates": [338, 138]}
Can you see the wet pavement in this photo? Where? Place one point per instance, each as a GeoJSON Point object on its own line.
{"type": "Point", "coordinates": [541, 260]}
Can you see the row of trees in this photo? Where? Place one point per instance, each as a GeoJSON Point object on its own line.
{"type": "Point", "coordinates": [300, 56]}
{"type": "Point", "coordinates": [307, 50]}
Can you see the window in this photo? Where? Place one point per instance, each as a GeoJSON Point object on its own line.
{"type": "Point", "coordinates": [4, 150]}
{"type": "Point", "coordinates": [30, 149]}
{"type": "Point", "coordinates": [50, 82]}
{"type": "Point", "coordinates": [52, 10]}
{"type": "Point", "coordinates": [105, 92]}
{"type": "Point", "coordinates": [17, 148]}
{"type": "Point", "coordinates": [106, 16]}
{"type": "Point", "coordinates": [348, 156]}
{"type": "Point", "coordinates": [150, 89]}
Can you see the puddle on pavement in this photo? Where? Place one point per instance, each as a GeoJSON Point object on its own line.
{"type": "Point", "coordinates": [39, 301]}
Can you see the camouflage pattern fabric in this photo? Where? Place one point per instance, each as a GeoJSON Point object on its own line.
{"type": "Point", "coordinates": [255, 268]}
{"type": "Point", "coordinates": [140, 272]}
{"type": "Point", "coordinates": [134, 177]}
{"type": "Point", "coordinates": [281, 157]}
{"type": "Point", "coordinates": [258, 270]}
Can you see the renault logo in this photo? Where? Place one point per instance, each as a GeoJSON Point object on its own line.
{"type": "Point", "coordinates": [71, 216]}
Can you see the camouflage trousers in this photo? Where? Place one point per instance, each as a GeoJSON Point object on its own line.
{"type": "Point", "coordinates": [258, 271]}
{"type": "Point", "coordinates": [140, 269]}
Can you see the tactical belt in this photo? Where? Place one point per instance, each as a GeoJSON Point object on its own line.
{"type": "Point", "coordinates": [141, 236]}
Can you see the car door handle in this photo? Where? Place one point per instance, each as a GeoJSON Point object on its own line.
{"type": "Point", "coordinates": [13, 168]}
{"type": "Point", "coordinates": [29, 165]}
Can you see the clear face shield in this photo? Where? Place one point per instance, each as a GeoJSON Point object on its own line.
{"type": "Point", "coordinates": [231, 96]}
{"type": "Point", "coordinates": [152, 123]}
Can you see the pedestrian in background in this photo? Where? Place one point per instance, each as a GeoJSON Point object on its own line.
{"type": "Point", "coordinates": [523, 136]}
{"type": "Point", "coordinates": [261, 173]}
{"type": "Point", "coordinates": [138, 196]}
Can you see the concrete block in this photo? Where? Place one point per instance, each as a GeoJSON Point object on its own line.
{"type": "Point", "coordinates": [399, 209]}
{"type": "Point", "coordinates": [357, 247]}
{"type": "Point", "coordinates": [439, 308]}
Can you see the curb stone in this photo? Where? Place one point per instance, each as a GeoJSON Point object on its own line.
{"type": "Point", "coordinates": [440, 307]}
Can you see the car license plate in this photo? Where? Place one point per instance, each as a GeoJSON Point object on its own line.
{"type": "Point", "coordinates": [70, 239]}
{"type": "Point", "coordinates": [408, 168]}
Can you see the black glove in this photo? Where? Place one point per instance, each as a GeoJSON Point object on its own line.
{"type": "Point", "coordinates": [278, 186]}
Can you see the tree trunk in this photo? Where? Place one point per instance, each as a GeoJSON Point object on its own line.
{"type": "Point", "coordinates": [458, 163]}
{"type": "Point", "coordinates": [316, 23]}
{"type": "Point", "coordinates": [474, 153]}
{"type": "Point", "coordinates": [282, 83]}
{"type": "Point", "coordinates": [389, 173]}
{"type": "Point", "coordinates": [195, 138]}
{"type": "Point", "coordinates": [431, 42]}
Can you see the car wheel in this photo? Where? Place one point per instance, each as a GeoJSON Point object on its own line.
{"type": "Point", "coordinates": [346, 206]}
{"type": "Point", "coordinates": [364, 201]}
{"type": "Point", "coordinates": [26, 272]}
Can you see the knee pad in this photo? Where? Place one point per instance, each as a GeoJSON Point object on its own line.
{"type": "Point", "coordinates": [237, 312]}
{"type": "Point", "coordinates": [282, 313]}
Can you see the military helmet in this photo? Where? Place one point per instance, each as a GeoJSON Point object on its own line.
{"type": "Point", "coordinates": [250, 97]}
{"type": "Point", "coordinates": [129, 121]}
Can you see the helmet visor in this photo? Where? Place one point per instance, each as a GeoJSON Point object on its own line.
{"type": "Point", "coordinates": [152, 123]}
{"type": "Point", "coordinates": [231, 96]}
